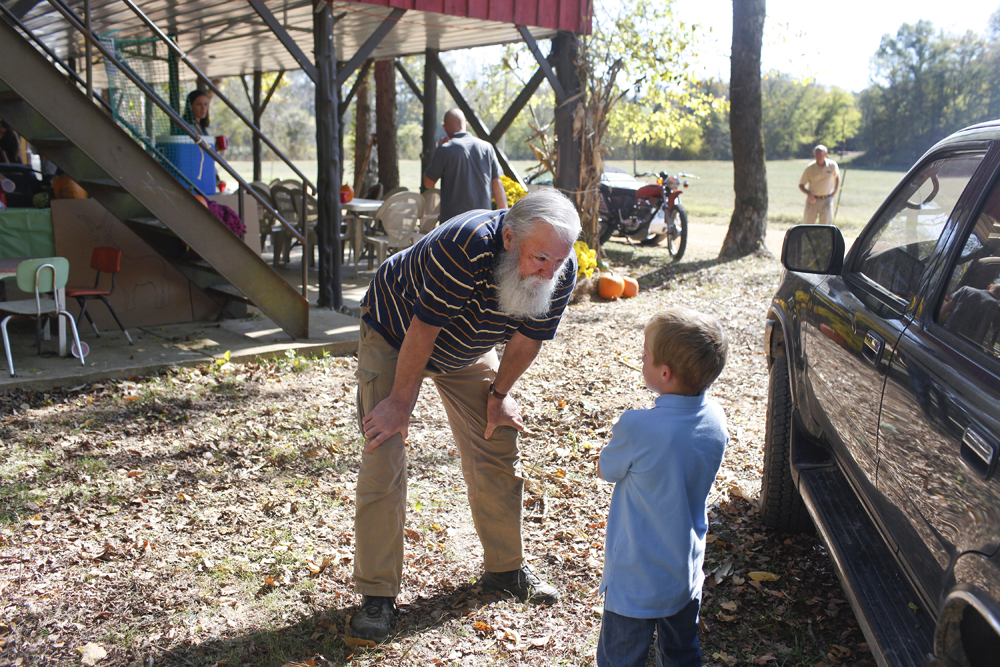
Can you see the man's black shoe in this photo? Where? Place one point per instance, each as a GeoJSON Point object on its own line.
{"type": "Point", "coordinates": [524, 584]}
{"type": "Point", "coordinates": [374, 618]}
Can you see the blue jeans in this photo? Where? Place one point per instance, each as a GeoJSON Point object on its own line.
{"type": "Point", "coordinates": [625, 641]}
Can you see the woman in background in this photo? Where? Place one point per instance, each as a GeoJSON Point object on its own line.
{"type": "Point", "coordinates": [196, 110]}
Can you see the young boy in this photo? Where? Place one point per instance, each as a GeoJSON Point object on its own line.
{"type": "Point", "coordinates": [662, 462]}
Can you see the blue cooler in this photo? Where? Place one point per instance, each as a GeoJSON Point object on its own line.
{"type": "Point", "coordinates": [189, 159]}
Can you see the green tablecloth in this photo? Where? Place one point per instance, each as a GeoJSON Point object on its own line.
{"type": "Point", "coordinates": [26, 232]}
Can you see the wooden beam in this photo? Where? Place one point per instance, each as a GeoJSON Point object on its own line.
{"type": "Point", "coordinates": [543, 63]}
{"type": "Point", "coordinates": [517, 105]}
{"type": "Point", "coordinates": [369, 46]}
{"type": "Point", "coordinates": [286, 40]}
{"type": "Point", "coordinates": [274, 87]}
{"type": "Point", "coordinates": [328, 166]}
{"type": "Point", "coordinates": [430, 120]}
{"type": "Point", "coordinates": [471, 117]}
{"type": "Point", "coordinates": [409, 80]}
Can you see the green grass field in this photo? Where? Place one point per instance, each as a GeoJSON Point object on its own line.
{"type": "Point", "coordinates": [710, 197]}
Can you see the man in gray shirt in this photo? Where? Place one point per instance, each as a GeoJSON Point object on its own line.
{"type": "Point", "coordinates": [468, 169]}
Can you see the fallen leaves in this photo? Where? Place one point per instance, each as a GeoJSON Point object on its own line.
{"type": "Point", "coordinates": [218, 502]}
{"type": "Point", "coordinates": [91, 653]}
{"type": "Point", "coordinates": [356, 643]}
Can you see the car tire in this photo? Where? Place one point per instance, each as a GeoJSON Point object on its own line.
{"type": "Point", "coordinates": [781, 506]}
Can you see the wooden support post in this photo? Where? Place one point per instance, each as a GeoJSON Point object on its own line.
{"type": "Point", "coordinates": [429, 139]}
{"type": "Point", "coordinates": [564, 52]}
{"type": "Point", "coordinates": [328, 158]}
{"type": "Point", "coordinates": [257, 79]}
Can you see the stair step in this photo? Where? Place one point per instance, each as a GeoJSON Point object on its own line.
{"type": "Point", "coordinates": [150, 222]}
{"type": "Point", "coordinates": [196, 265]}
{"type": "Point", "coordinates": [228, 291]}
{"type": "Point", "coordinates": [50, 142]}
{"type": "Point", "coordinates": [884, 601]}
{"type": "Point", "coordinates": [101, 183]}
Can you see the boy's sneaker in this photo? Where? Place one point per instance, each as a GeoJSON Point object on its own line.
{"type": "Point", "coordinates": [524, 584]}
{"type": "Point", "coordinates": [374, 618]}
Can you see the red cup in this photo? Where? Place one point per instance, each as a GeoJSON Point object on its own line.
{"type": "Point", "coordinates": [345, 197]}
{"type": "Point", "coordinates": [222, 186]}
{"type": "Point", "coordinates": [221, 142]}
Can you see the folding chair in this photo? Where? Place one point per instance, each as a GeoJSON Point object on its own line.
{"type": "Point", "coordinates": [42, 276]}
{"type": "Point", "coordinates": [107, 260]}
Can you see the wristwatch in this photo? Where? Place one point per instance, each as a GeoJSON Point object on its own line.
{"type": "Point", "coordinates": [495, 393]}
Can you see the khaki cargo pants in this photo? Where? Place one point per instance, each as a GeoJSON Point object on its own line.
{"type": "Point", "coordinates": [491, 469]}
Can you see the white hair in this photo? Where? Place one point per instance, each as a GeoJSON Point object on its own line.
{"type": "Point", "coordinates": [546, 205]}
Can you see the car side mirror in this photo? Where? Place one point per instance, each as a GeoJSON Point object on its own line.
{"type": "Point", "coordinates": [813, 249]}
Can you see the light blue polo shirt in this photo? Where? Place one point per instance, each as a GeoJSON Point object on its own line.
{"type": "Point", "coordinates": [662, 461]}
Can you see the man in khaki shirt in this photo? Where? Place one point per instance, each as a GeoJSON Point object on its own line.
{"type": "Point", "coordinates": [819, 183]}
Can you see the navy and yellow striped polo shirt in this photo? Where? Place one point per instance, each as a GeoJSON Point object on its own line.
{"type": "Point", "coordinates": [446, 279]}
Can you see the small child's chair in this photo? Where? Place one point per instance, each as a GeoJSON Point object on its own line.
{"type": "Point", "coordinates": [107, 260]}
{"type": "Point", "coordinates": [43, 276]}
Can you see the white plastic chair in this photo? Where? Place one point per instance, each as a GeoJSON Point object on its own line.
{"type": "Point", "coordinates": [43, 276]}
{"type": "Point", "coordinates": [432, 209]}
{"type": "Point", "coordinates": [397, 224]}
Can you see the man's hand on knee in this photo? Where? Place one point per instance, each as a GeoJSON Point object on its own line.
{"type": "Point", "coordinates": [388, 418]}
{"type": "Point", "coordinates": [502, 412]}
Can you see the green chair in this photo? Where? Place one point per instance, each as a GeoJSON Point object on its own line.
{"type": "Point", "coordinates": [45, 277]}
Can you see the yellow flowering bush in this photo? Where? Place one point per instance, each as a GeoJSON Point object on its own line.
{"type": "Point", "coordinates": [513, 190]}
{"type": "Point", "coordinates": [586, 259]}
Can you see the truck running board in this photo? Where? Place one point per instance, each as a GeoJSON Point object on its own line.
{"type": "Point", "coordinates": [886, 605]}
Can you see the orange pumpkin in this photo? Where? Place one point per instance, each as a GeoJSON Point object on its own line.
{"type": "Point", "coordinates": [201, 199]}
{"type": "Point", "coordinates": [346, 193]}
{"type": "Point", "coordinates": [610, 286]}
{"type": "Point", "coordinates": [64, 187]}
{"type": "Point", "coordinates": [631, 287]}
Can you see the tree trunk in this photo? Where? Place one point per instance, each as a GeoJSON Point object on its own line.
{"type": "Point", "coordinates": [385, 124]}
{"type": "Point", "coordinates": [364, 127]}
{"type": "Point", "coordinates": [749, 222]}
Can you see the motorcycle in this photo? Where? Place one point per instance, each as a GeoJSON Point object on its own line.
{"type": "Point", "coordinates": [647, 213]}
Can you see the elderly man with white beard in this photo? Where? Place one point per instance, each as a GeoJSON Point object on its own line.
{"type": "Point", "coordinates": [437, 310]}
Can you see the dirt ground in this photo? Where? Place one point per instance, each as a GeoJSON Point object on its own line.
{"type": "Point", "coordinates": [205, 516]}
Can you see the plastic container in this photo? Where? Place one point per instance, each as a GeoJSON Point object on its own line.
{"type": "Point", "coordinates": [189, 159]}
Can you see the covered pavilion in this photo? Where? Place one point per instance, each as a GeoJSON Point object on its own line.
{"type": "Point", "coordinates": [251, 37]}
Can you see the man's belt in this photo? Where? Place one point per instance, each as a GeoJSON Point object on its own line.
{"type": "Point", "coordinates": [823, 196]}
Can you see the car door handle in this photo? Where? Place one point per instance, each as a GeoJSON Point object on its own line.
{"type": "Point", "coordinates": [977, 451]}
{"type": "Point", "coordinates": [872, 348]}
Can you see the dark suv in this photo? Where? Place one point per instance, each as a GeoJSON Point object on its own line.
{"type": "Point", "coordinates": [883, 416]}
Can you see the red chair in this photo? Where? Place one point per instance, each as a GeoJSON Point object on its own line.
{"type": "Point", "coordinates": [107, 260]}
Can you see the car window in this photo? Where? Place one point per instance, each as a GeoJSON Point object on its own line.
{"type": "Point", "coordinates": [896, 250]}
{"type": "Point", "coordinates": [970, 306]}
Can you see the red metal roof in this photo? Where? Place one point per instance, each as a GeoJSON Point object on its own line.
{"type": "Point", "coordinates": [572, 15]}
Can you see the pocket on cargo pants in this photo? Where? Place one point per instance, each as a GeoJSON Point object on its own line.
{"type": "Point", "coordinates": [367, 397]}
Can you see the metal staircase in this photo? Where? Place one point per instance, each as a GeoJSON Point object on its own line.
{"type": "Point", "coordinates": [55, 116]}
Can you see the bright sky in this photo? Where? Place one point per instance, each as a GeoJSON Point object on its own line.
{"type": "Point", "coordinates": [831, 42]}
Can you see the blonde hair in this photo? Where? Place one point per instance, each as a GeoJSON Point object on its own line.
{"type": "Point", "coordinates": [693, 344]}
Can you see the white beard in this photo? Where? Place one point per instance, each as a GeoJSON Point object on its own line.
{"type": "Point", "coordinates": [522, 297]}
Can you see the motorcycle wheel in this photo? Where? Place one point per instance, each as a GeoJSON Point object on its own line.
{"type": "Point", "coordinates": [604, 230]}
{"type": "Point", "coordinates": [677, 234]}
